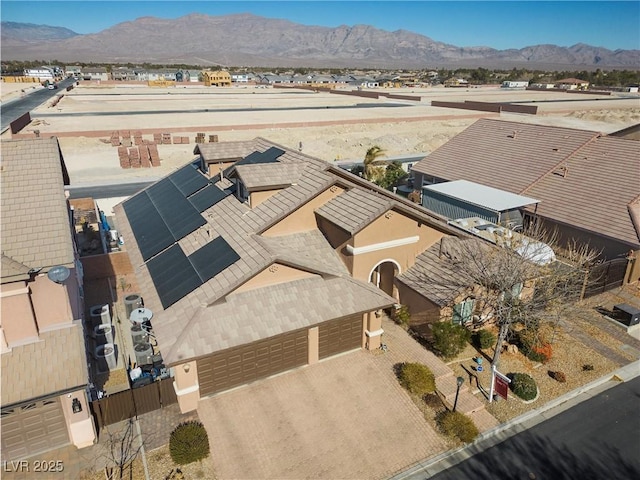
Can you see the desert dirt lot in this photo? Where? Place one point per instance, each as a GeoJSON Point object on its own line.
{"type": "Point", "coordinates": [324, 125]}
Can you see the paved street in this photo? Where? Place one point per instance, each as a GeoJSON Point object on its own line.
{"type": "Point", "coordinates": [597, 439]}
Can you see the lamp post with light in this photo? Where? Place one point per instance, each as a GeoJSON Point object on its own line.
{"type": "Point", "coordinates": [459, 381]}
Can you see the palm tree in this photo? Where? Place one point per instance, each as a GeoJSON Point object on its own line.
{"type": "Point", "coordinates": [372, 163]}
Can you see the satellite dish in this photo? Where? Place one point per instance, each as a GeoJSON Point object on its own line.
{"type": "Point", "coordinates": [58, 274]}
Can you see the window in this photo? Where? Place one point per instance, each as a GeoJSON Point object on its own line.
{"type": "Point", "coordinates": [462, 312]}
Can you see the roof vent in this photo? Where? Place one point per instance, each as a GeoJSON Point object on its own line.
{"type": "Point", "coordinates": [562, 171]}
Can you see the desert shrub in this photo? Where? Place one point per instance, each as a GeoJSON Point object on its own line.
{"type": "Point", "coordinates": [188, 443]}
{"type": "Point", "coordinates": [433, 401]}
{"type": "Point", "coordinates": [523, 385]}
{"type": "Point", "coordinates": [456, 424]}
{"type": "Point", "coordinates": [417, 378]}
{"type": "Point", "coordinates": [401, 315]}
{"type": "Point", "coordinates": [587, 367]}
{"type": "Point", "coordinates": [449, 339]}
{"type": "Point", "coordinates": [558, 376]}
{"type": "Point", "coordinates": [483, 339]}
{"type": "Point", "coordinates": [534, 345]}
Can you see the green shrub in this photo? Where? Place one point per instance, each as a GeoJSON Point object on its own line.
{"type": "Point", "coordinates": [456, 424]}
{"type": "Point", "coordinates": [449, 339]}
{"type": "Point", "coordinates": [483, 339]}
{"type": "Point", "coordinates": [417, 378]}
{"type": "Point", "coordinates": [188, 443]}
{"type": "Point", "coordinates": [524, 386]}
{"type": "Point", "coordinates": [401, 315]}
{"type": "Point", "coordinates": [534, 345]}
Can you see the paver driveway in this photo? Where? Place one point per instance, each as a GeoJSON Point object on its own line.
{"type": "Point", "coordinates": [344, 418]}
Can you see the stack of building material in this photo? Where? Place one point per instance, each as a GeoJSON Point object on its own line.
{"type": "Point", "coordinates": [145, 158]}
{"type": "Point", "coordinates": [166, 139]}
{"type": "Point", "coordinates": [157, 138]}
{"type": "Point", "coordinates": [123, 155]}
{"type": "Point", "coordinates": [185, 139]}
{"type": "Point", "coordinates": [137, 137]}
{"type": "Point", "coordinates": [177, 140]}
{"type": "Point", "coordinates": [199, 137]}
{"type": "Point", "coordinates": [134, 156]}
{"type": "Point", "coordinates": [213, 138]}
{"type": "Point", "coordinates": [153, 153]}
{"type": "Point", "coordinates": [115, 139]}
{"type": "Point", "coordinates": [126, 138]}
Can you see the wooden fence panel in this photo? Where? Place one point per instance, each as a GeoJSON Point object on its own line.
{"type": "Point", "coordinates": [167, 393]}
{"type": "Point", "coordinates": [114, 408]}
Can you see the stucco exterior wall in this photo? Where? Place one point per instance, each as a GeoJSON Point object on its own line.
{"type": "Point", "coordinates": [18, 318]}
{"type": "Point", "coordinates": [256, 198]}
{"type": "Point", "coordinates": [186, 386]}
{"type": "Point", "coordinates": [216, 167]}
{"type": "Point", "coordinates": [273, 275]}
{"type": "Point", "coordinates": [303, 219]}
{"type": "Point", "coordinates": [392, 226]}
{"type": "Point", "coordinates": [423, 311]}
{"type": "Point", "coordinates": [52, 302]}
{"type": "Point", "coordinates": [79, 425]}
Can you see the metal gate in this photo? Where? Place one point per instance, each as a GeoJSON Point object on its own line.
{"type": "Point", "coordinates": [606, 276]}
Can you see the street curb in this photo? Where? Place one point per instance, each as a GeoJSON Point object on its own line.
{"type": "Point", "coordinates": [431, 465]}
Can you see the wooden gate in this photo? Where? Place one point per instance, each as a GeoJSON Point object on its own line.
{"type": "Point", "coordinates": [120, 406]}
{"type": "Point", "coordinates": [605, 276]}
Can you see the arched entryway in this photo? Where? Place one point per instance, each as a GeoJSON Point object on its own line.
{"type": "Point", "coordinates": [382, 276]}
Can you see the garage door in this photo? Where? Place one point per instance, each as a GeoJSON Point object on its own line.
{"type": "Point", "coordinates": [241, 365]}
{"type": "Point", "coordinates": [341, 335]}
{"type": "Point", "coordinates": [33, 429]}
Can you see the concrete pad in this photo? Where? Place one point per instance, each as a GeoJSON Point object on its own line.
{"type": "Point", "coordinates": [340, 418]}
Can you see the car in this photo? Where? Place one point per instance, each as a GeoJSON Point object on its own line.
{"type": "Point", "coordinates": [52, 86]}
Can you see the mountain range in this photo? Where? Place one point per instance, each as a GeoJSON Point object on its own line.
{"type": "Point", "coordinates": [253, 41]}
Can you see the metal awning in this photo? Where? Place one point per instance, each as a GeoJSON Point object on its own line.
{"type": "Point", "coordinates": [480, 195]}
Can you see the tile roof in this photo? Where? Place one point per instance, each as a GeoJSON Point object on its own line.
{"type": "Point", "coordinates": [354, 209]}
{"type": "Point", "coordinates": [12, 270]}
{"type": "Point", "coordinates": [241, 227]}
{"type": "Point", "coordinates": [35, 221]}
{"type": "Point", "coordinates": [255, 177]}
{"type": "Point", "coordinates": [561, 167]}
{"type": "Point", "coordinates": [433, 274]}
{"type": "Point", "coordinates": [55, 363]}
{"type": "Point", "coordinates": [264, 312]}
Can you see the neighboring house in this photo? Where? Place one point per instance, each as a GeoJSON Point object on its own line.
{"type": "Point", "coordinates": [515, 84]}
{"type": "Point", "coordinates": [587, 183]}
{"type": "Point", "coordinates": [95, 73]}
{"type": "Point", "coordinates": [630, 133]}
{"type": "Point", "coordinates": [74, 71]}
{"type": "Point", "coordinates": [41, 73]}
{"type": "Point", "coordinates": [456, 82]}
{"type": "Point", "coordinates": [218, 78]}
{"type": "Point", "coordinates": [279, 261]}
{"type": "Point", "coordinates": [44, 362]}
{"type": "Point", "coordinates": [124, 74]}
{"type": "Point", "coordinates": [240, 77]}
{"type": "Point", "coordinates": [571, 84]}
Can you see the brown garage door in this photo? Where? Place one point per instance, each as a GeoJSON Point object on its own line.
{"type": "Point", "coordinates": [341, 335]}
{"type": "Point", "coordinates": [33, 429]}
{"type": "Point", "coordinates": [237, 366]}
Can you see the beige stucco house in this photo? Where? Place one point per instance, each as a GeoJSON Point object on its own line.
{"type": "Point", "coordinates": [274, 262]}
{"type": "Point", "coordinates": [44, 364]}
{"type": "Point", "coordinates": [587, 184]}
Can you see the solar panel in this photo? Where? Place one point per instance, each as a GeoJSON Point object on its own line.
{"type": "Point", "coordinates": [188, 180]}
{"type": "Point", "coordinates": [173, 275]}
{"type": "Point", "coordinates": [268, 156]}
{"type": "Point", "coordinates": [213, 258]}
{"type": "Point", "coordinates": [151, 232]}
{"type": "Point", "coordinates": [207, 197]}
{"type": "Point", "coordinates": [178, 213]}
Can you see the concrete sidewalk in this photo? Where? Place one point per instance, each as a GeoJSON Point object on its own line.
{"type": "Point", "coordinates": [434, 465]}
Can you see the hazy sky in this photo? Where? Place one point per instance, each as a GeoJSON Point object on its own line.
{"type": "Point", "coordinates": [498, 24]}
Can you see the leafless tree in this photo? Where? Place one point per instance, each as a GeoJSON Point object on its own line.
{"type": "Point", "coordinates": [516, 281]}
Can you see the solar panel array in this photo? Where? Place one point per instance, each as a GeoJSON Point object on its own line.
{"type": "Point", "coordinates": [268, 156]}
{"type": "Point", "coordinates": [167, 212]}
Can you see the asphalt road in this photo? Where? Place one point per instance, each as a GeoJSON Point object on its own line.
{"type": "Point", "coordinates": [16, 108]}
{"type": "Point", "coordinates": [598, 439]}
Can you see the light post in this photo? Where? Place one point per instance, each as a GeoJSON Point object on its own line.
{"type": "Point", "coordinates": [459, 381]}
